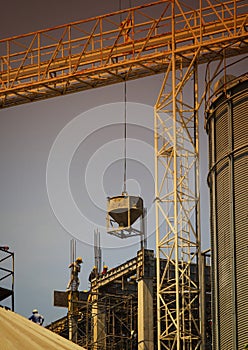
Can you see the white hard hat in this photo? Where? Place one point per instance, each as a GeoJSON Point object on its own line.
{"type": "Point", "coordinates": [35, 311]}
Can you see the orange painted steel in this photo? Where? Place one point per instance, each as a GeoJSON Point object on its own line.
{"type": "Point", "coordinates": [123, 45]}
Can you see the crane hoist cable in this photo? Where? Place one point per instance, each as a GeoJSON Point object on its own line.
{"type": "Point", "coordinates": [125, 137]}
{"type": "Point", "coordinates": [125, 119]}
{"type": "Point", "coordinates": [120, 7]}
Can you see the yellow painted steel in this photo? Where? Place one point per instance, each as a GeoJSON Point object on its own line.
{"type": "Point", "coordinates": [102, 51]}
{"type": "Point", "coordinates": [165, 36]}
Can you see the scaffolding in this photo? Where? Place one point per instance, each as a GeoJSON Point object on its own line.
{"type": "Point", "coordinates": [176, 127]}
{"type": "Point", "coordinates": [112, 314]}
{"type": "Point", "coordinates": [7, 275]}
{"type": "Point", "coordinates": [107, 315]}
{"type": "Point", "coordinates": [119, 311]}
{"type": "Point", "coordinates": [163, 37]}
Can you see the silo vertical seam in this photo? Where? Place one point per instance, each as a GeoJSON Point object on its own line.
{"type": "Point", "coordinates": [215, 246]}
{"type": "Point", "coordinates": [232, 222]}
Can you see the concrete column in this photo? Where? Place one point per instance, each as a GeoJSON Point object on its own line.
{"type": "Point", "coordinates": [98, 318]}
{"type": "Point", "coordinates": [145, 314]}
{"type": "Point", "coordinates": [73, 315]}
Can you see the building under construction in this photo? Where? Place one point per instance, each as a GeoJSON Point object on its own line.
{"type": "Point", "coordinates": [160, 302]}
{"type": "Point", "coordinates": [119, 311]}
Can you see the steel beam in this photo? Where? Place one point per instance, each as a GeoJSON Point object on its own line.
{"type": "Point", "coordinates": [96, 52]}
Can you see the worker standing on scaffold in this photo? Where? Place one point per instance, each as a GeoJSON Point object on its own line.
{"type": "Point", "coordinates": [93, 274]}
{"type": "Point", "coordinates": [75, 269]}
{"type": "Point", "coordinates": [126, 27]}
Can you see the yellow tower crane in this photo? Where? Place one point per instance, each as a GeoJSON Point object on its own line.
{"type": "Point", "coordinates": [167, 37]}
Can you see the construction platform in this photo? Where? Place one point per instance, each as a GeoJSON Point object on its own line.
{"type": "Point", "coordinates": [119, 311]}
{"type": "Point", "coordinates": [7, 275]}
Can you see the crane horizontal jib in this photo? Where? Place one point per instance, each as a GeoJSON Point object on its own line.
{"type": "Point", "coordinates": [105, 50]}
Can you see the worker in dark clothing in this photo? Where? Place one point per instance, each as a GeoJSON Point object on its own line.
{"type": "Point", "coordinates": [36, 317]}
{"type": "Point", "coordinates": [134, 339]}
{"type": "Point", "coordinates": [126, 27]}
{"type": "Point", "coordinates": [93, 274]}
{"type": "Point", "coordinates": [75, 269]}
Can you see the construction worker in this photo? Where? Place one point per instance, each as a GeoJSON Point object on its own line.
{"type": "Point", "coordinates": [75, 269]}
{"type": "Point", "coordinates": [93, 274]}
{"type": "Point", "coordinates": [125, 28]}
{"type": "Point", "coordinates": [133, 338]}
{"type": "Point", "coordinates": [36, 317]}
{"type": "Point", "coordinates": [105, 270]}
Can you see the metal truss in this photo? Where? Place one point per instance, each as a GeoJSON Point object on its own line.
{"type": "Point", "coordinates": [106, 316]}
{"type": "Point", "coordinates": [104, 322]}
{"type": "Point", "coordinates": [7, 264]}
{"type": "Point", "coordinates": [107, 49]}
{"type": "Point", "coordinates": [165, 36]}
{"type": "Point", "coordinates": [177, 200]}
{"type": "Point", "coordinates": [110, 315]}
{"type": "Point", "coordinates": [177, 177]}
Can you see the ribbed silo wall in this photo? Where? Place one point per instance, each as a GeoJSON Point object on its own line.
{"type": "Point", "coordinates": [227, 128]}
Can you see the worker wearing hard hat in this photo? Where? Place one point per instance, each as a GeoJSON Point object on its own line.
{"type": "Point", "coordinates": [75, 269]}
{"type": "Point", "coordinates": [125, 28]}
{"type": "Point", "coordinates": [93, 274]}
{"type": "Point", "coordinates": [36, 317]}
{"type": "Point", "coordinates": [105, 270]}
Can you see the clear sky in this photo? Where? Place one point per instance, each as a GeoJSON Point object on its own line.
{"type": "Point", "coordinates": [77, 138]}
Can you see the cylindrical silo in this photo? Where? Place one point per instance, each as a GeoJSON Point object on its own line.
{"type": "Point", "coordinates": [227, 128]}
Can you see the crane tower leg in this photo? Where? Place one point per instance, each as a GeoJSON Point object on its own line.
{"type": "Point", "coordinates": [177, 206]}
